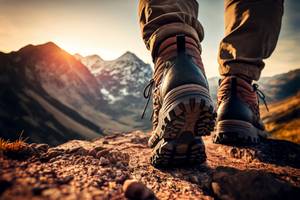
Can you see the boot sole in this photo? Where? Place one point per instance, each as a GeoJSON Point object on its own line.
{"type": "Point", "coordinates": [186, 114]}
{"type": "Point", "coordinates": [237, 132]}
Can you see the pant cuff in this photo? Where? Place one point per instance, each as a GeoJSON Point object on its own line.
{"type": "Point", "coordinates": [170, 30]}
{"type": "Point", "coordinates": [246, 70]}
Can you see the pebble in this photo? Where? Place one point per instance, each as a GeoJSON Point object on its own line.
{"type": "Point", "coordinates": [99, 148]}
{"type": "Point", "coordinates": [82, 152]}
{"type": "Point", "coordinates": [92, 152]}
{"type": "Point", "coordinates": [37, 190]}
{"type": "Point", "coordinates": [76, 150]}
{"type": "Point", "coordinates": [122, 178]}
{"type": "Point", "coordinates": [102, 153]}
{"type": "Point", "coordinates": [136, 190]}
{"type": "Point", "coordinates": [65, 180]}
{"type": "Point", "coordinates": [42, 147]}
{"type": "Point", "coordinates": [51, 154]}
{"type": "Point", "coordinates": [103, 161]}
{"type": "Point", "coordinates": [33, 145]}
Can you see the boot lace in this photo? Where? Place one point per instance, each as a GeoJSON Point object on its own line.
{"type": "Point", "coordinates": [260, 94]}
{"type": "Point", "coordinates": [147, 95]}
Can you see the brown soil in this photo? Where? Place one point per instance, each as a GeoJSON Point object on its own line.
{"type": "Point", "coordinates": [98, 170]}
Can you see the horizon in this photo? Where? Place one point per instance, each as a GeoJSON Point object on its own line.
{"type": "Point", "coordinates": [106, 60]}
{"type": "Point", "coordinates": [97, 27]}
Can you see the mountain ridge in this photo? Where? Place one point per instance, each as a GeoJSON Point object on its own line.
{"type": "Point", "coordinates": [46, 72]}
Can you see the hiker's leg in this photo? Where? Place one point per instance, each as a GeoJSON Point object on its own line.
{"type": "Point", "coordinates": [251, 33]}
{"type": "Point", "coordinates": [182, 107]}
{"type": "Point", "coordinates": [162, 19]}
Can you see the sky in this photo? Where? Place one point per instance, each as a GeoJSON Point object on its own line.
{"type": "Point", "coordinates": [109, 28]}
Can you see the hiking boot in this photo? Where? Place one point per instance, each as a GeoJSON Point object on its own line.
{"type": "Point", "coordinates": [183, 110]}
{"type": "Point", "coordinates": [238, 118]}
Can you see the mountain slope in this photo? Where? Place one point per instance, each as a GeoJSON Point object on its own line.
{"type": "Point", "coordinates": [49, 95]}
{"type": "Point", "coordinates": [283, 119]}
{"type": "Point", "coordinates": [121, 82]}
{"type": "Point", "coordinates": [280, 86]}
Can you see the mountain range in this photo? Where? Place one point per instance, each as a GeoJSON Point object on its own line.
{"type": "Point", "coordinates": [121, 83]}
{"type": "Point", "coordinates": [52, 96]}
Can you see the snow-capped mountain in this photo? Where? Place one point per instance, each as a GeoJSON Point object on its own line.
{"type": "Point", "coordinates": [121, 82]}
{"type": "Point", "coordinates": [93, 62]}
{"type": "Point", "coordinates": [125, 76]}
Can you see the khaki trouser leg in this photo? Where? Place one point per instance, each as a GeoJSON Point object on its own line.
{"type": "Point", "coordinates": [160, 19]}
{"type": "Point", "coordinates": [251, 32]}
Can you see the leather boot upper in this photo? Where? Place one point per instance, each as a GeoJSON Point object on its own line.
{"type": "Point", "coordinates": [181, 70]}
{"type": "Point", "coordinates": [178, 62]}
{"type": "Point", "coordinates": [238, 100]}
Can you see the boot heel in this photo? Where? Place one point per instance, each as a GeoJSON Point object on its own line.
{"type": "Point", "coordinates": [236, 131]}
{"type": "Point", "coordinates": [187, 108]}
{"type": "Point", "coordinates": [187, 114]}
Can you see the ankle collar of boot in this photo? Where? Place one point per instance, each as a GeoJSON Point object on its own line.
{"type": "Point", "coordinates": [168, 48]}
{"type": "Point", "coordinates": [239, 78]}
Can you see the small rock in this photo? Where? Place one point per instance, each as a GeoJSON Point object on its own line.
{"type": "Point", "coordinates": [42, 147]}
{"type": "Point", "coordinates": [120, 165]}
{"type": "Point", "coordinates": [105, 142]}
{"type": "Point", "coordinates": [99, 148]}
{"type": "Point", "coordinates": [122, 178]}
{"type": "Point", "coordinates": [51, 154]}
{"type": "Point", "coordinates": [82, 152]}
{"type": "Point", "coordinates": [33, 145]}
{"type": "Point", "coordinates": [77, 151]}
{"type": "Point", "coordinates": [103, 161]}
{"type": "Point", "coordinates": [136, 190]}
{"type": "Point", "coordinates": [139, 140]}
{"type": "Point", "coordinates": [102, 153]}
{"type": "Point", "coordinates": [92, 152]}
{"type": "Point", "coordinates": [65, 180]}
{"type": "Point", "coordinates": [37, 190]}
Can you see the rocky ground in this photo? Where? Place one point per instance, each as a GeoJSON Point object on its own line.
{"type": "Point", "coordinates": [117, 166]}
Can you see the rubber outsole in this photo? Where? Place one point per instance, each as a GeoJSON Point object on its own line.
{"type": "Point", "coordinates": [237, 132]}
{"type": "Point", "coordinates": [186, 114]}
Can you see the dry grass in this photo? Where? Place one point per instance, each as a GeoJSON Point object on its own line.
{"type": "Point", "coordinates": [283, 121]}
{"type": "Point", "coordinates": [8, 147]}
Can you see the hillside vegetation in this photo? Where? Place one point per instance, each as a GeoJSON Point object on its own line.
{"type": "Point", "coordinates": [283, 119]}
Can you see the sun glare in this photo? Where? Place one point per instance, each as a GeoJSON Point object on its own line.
{"type": "Point", "coordinates": [85, 50]}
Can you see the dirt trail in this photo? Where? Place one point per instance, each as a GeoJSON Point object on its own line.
{"type": "Point", "coordinates": [98, 170]}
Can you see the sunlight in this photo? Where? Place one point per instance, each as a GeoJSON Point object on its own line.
{"type": "Point", "coordinates": [85, 50]}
